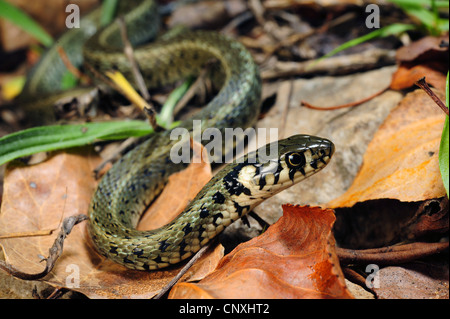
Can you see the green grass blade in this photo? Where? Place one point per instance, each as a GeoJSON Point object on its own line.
{"type": "Point", "coordinates": [444, 147]}
{"type": "Point", "coordinates": [166, 114]}
{"type": "Point", "coordinates": [380, 33]}
{"type": "Point", "coordinates": [108, 11]}
{"type": "Point", "coordinates": [427, 11]}
{"type": "Point", "coordinates": [25, 22]}
{"type": "Point", "coordinates": [50, 138]}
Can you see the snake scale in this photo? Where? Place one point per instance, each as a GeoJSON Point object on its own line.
{"type": "Point", "coordinates": [140, 175]}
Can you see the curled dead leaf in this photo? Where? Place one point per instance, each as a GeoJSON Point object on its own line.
{"type": "Point", "coordinates": [401, 162]}
{"type": "Point", "coordinates": [294, 258]}
{"type": "Point", "coordinates": [423, 58]}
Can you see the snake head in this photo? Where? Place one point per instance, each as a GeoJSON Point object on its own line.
{"type": "Point", "coordinates": [281, 164]}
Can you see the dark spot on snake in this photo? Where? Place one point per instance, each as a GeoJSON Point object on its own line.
{"type": "Point", "coordinates": [291, 174]}
{"type": "Point", "coordinates": [113, 250]}
{"type": "Point", "coordinates": [138, 252]}
{"type": "Point", "coordinates": [240, 209]}
{"type": "Point", "coordinates": [313, 164]}
{"type": "Point", "coordinates": [146, 267]}
{"type": "Point", "coordinates": [204, 213]}
{"type": "Point", "coordinates": [302, 170]}
{"type": "Point", "coordinates": [215, 217]}
{"type": "Point", "coordinates": [163, 245]}
{"type": "Point", "coordinates": [218, 198]}
{"type": "Point", "coordinates": [232, 184]}
{"type": "Point", "coordinates": [147, 172]}
{"type": "Point", "coordinates": [127, 261]}
{"type": "Point", "coordinates": [187, 229]}
{"type": "Point", "coordinates": [121, 212]}
{"type": "Point", "coordinates": [200, 231]}
{"type": "Point", "coordinates": [158, 260]}
{"type": "Point", "coordinates": [182, 246]}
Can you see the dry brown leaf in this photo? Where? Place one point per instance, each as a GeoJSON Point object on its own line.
{"type": "Point", "coordinates": [401, 162]}
{"type": "Point", "coordinates": [423, 58]}
{"type": "Point", "coordinates": [37, 196]}
{"type": "Point", "coordinates": [408, 74]}
{"type": "Point", "coordinates": [294, 258]}
{"type": "Point", "coordinates": [413, 281]}
{"type": "Point", "coordinates": [427, 48]}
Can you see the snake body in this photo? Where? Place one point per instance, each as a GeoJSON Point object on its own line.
{"type": "Point", "coordinates": [139, 176]}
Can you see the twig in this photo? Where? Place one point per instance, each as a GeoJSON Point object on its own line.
{"type": "Point", "coordinates": [297, 37]}
{"type": "Point", "coordinates": [351, 104]}
{"type": "Point", "coordinates": [333, 65]}
{"type": "Point", "coordinates": [55, 251]}
{"type": "Point", "coordinates": [235, 22]}
{"type": "Point", "coordinates": [44, 232]}
{"type": "Point", "coordinates": [390, 255]}
{"type": "Point", "coordinates": [103, 78]}
{"type": "Point", "coordinates": [72, 69]}
{"type": "Point", "coordinates": [196, 257]}
{"type": "Point", "coordinates": [285, 110]}
{"type": "Point", "coordinates": [117, 152]}
{"type": "Point", "coordinates": [192, 89]}
{"type": "Point", "coordinates": [424, 86]}
{"type": "Point", "coordinates": [129, 53]}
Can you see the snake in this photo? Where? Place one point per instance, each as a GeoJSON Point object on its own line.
{"type": "Point", "coordinates": [136, 180]}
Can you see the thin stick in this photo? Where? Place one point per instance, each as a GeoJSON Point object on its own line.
{"type": "Point", "coordinates": [72, 69]}
{"type": "Point", "coordinates": [55, 251]}
{"type": "Point", "coordinates": [390, 255]}
{"type": "Point", "coordinates": [191, 91]}
{"type": "Point", "coordinates": [196, 257]}
{"type": "Point", "coordinates": [117, 152]}
{"type": "Point", "coordinates": [424, 86]}
{"type": "Point", "coordinates": [149, 109]}
{"type": "Point", "coordinates": [285, 109]}
{"type": "Point", "coordinates": [44, 232]}
{"type": "Point", "coordinates": [129, 52]}
{"type": "Point", "coordinates": [351, 104]}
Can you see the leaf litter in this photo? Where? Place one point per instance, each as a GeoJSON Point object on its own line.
{"type": "Point", "coordinates": [35, 197]}
{"type": "Point", "coordinates": [117, 276]}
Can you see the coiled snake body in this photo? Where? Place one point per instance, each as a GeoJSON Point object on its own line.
{"type": "Point", "coordinates": [135, 180]}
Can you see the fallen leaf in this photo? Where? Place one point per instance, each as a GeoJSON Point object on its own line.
{"type": "Point", "coordinates": [413, 281]}
{"type": "Point", "coordinates": [427, 48]}
{"type": "Point", "coordinates": [294, 258]}
{"type": "Point", "coordinates": [423, 58]}
{"type": "Point", "coordinates": [401, 162]}
{"type": "Point", "coordinates": [38, 197]}
{"type": "Point", "coordinates": [408, 74]}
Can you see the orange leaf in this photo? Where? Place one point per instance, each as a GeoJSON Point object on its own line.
{"type": "Point", "coordinates": [179, 191]}
{"type": "Point", "coordinates": [401, 162]}
{"type": "Point", "coordinates": [36, 197]}
{"type": "Point", "coordinates": [294, 258]}
{"type": "Point", "coordinates": [425, 57]}
{"type": "Point", "coordinates": [407, 75]}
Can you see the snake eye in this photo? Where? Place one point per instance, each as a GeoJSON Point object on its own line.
{"type": "Point", "coordinates": [296, 159]}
